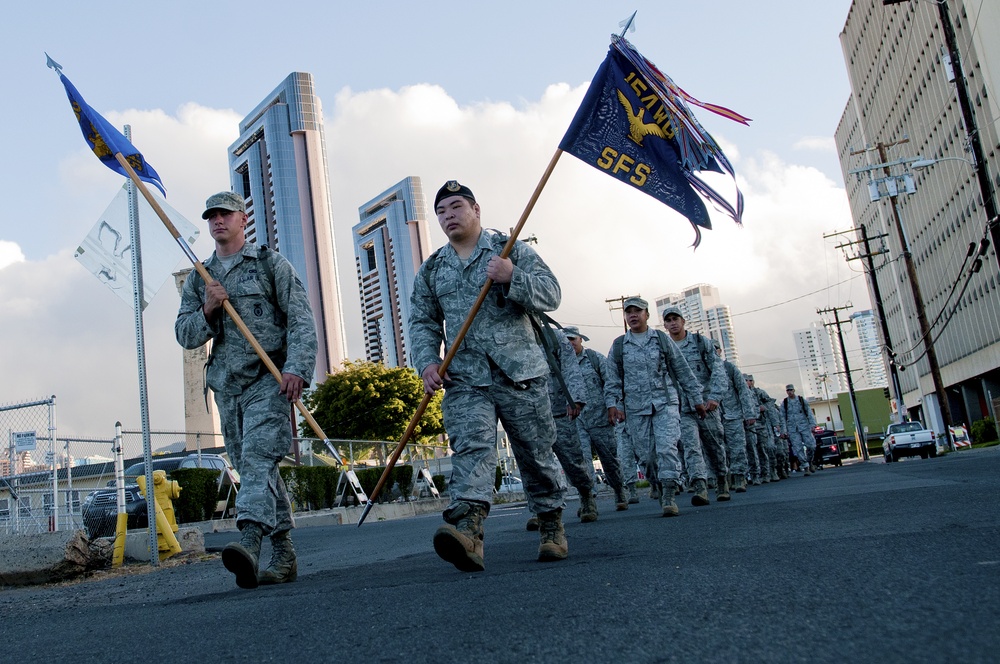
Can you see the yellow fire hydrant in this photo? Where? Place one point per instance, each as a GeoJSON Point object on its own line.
{"type": "Point", "coordinates": [164, 491]}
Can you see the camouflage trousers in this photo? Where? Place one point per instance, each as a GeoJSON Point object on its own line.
{"type": "Point", "coordinates": [602, 441]}
{"type": "Point", "coordinates": [660, 431]}
{"type": "Point", "coordinates": [470, 418]}
{"type": "Point", "coordinates": [803, 444]}
{"type": "Point", "coordinates": [754, 462]}
{"type": "Point", "coordinates": [764, 448]}
{"type": "Point", "coordinates": [708, 435]}
{"type": "Point", "coordinates": [257, 431]}
{"type": "Point", "coordinates": [579, 470]}
{"type": "Point", "coordinates": [736, 446]}
{"type": "Point", "coordinates": [631, 454]}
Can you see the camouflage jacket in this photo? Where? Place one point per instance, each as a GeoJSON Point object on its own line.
{"type": "Point", "coordinates": [699, 351]}
{"type": "Point", "coordinates": [649, 377]}
{"type": "Point", "coordinates": [444, 291]}
{"type": "Point", "coordinates": [738, 403]}
{"type": "Point", "coordinates": [796, 414]}
{"type": "Point", "coordinates": [594, 370]}
{"type": "Point", "coordinates": [278, 314]}
{"type": "Point", "coordinates": [570, 370]}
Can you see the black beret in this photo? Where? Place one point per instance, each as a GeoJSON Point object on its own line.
{"type": "Point", "coordinates": [453, 188]}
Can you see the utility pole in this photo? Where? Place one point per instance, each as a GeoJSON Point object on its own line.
{"type": "Point", "coordinates": [620, 301]}
{"type": "Point", "coordinates": [918, 299]}
{"type": "Point", "coordinates": [890, 354]}
{"type": "Point", "coordinates": [972, 132]}
{"type": "Point", "coordinates": [859, 431]}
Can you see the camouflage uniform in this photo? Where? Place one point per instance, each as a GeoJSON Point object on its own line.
{"type": "Point", "coordinates": [631, 455]}
{"type": "Point", "coordinates": [593, 420]}
{"type": "Point", "coordinates": [737, 405]}
{"type": "Point", "coordinates": [798, 422]}
{"type": "Point", "coordinates": [253, 413]}
{"type": "Point", "coordinates": [708, 368]}
{"type": "Point", "coordinates": [765, 437]}
{"type": "Point", "coordinates": [776, 444]}
{"type": "Point", "coordinates": [498, 372]}
{"type": "Point", "coordinates": [579, 471]}
{"type": "Point", "coordinates": [651, 401]}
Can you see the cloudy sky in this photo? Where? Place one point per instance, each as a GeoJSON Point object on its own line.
{"type": "Point", "coordinates": [439, 90]}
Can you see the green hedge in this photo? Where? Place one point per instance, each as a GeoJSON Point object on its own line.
{"type": "Point", "coordinates": [983, 431]}
{"type": "Point", "coordinates": [440, 482]}
{"type": "Point", "coordinates": [311, 487]}
{"type": "Point", "coordinates": [402, 475]}
{"type": "Point", "coordinates": [199, 494]}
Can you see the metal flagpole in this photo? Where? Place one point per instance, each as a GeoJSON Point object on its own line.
{"type": "Point", "coordinates": [140, 351]}
{"type": "Point", "coordinates": [457, 342]}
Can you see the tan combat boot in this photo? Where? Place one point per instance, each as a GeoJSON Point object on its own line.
{"type": "Point", "coordinates": [283, 568]}
{"type": "Point", "coordinates": [241, 557]}
{"type": "Point", "coordinates": [700, 497]}
{"type": "Point", "coordinates": [722, 488]}
{"type": "Point", "coordinates": [667, 502]}
{"type": "Point", "coordinates": [553, 544]}
{"type": "Point", "coordinates": [621, 499]}
{"type": "Point", "coordinates": [460, 540]}
{"type": "Point", "coordinates": [588, 507]}
{"type": "Point", "coordinates": [739, 482]}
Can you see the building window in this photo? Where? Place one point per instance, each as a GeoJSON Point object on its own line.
{"type": "Point", "coordinates": [370, 254]}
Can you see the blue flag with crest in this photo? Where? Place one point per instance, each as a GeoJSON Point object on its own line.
{"type": "Point", "coordinates": [104, 139]}
{"type": "Point", "coordinates": [634, 124]}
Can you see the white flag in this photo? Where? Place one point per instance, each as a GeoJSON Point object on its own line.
{"type": "Point", "coordinates": [107, 252]}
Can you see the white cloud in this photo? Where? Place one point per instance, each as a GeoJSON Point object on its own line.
{"type": "Point", "coordinates": [601, 238]}
{"type": "Point", "coordinates": [10, 253]}
{"type": "Point", "coordinates": [817, 144]}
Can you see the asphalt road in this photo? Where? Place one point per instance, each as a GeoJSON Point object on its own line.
{"type": "Point", "coordinates": [870, 563]}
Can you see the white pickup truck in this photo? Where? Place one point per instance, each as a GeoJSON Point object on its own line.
{"type": "Point", "coordinates": [908, 439]}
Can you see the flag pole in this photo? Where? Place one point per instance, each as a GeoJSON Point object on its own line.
{"type": "Point", "coordinates": [226, 304]}
{"type": "Point", "coordinates": [457, 341]}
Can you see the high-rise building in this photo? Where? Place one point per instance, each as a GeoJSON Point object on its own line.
{"type": "Point", "coordinates": [390, 242]}
{"type": "Point", "coordinates": [278, 164]}
{"type": "Point", "coordinates": [820, 368]}
{"type": "Point", "coordinates": [903, 107]}
{"type": "Point", "coordinates": [871, 347]}
{"type": "Point", "coordinates": [704, 313]}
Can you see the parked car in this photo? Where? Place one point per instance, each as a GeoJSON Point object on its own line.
{"type": "Point", "coordinates": [908, 439]}
{"type": "Point", "coordinates": [510, 484]}
{"type": "Point", "coordinates": [100, 508]}
{"type": "Point", "coordinates": [827, 448]}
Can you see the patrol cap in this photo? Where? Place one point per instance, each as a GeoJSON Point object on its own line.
{"type": "Point", "coordinates": [789, 387]}
{"type": "Point", "coordinates": [453, 188]}
{"type": "Point", "coordinates": [673, 309]}
{"type": "Point", "coordinates": [747, 376]}
{"type": "Point", "coordinates": [224, 200]}
{"type": "Point", "coordinates": [573, 331]}
{"type": "Point", "coordinates": [635, 302]}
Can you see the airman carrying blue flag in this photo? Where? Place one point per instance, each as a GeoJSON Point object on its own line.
{"type": "Point", "coordinates": [103, 138]}
{"type": "Point", "coordinates": [634, 124]}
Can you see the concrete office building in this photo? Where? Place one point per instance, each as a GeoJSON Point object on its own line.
{"type": "Point", "coordinates": [871, 348]}
{"type": "Point", "coordinates": [278, 164]}
{"type": "Point", "coordinates": [704, 313]}
{"type": "Point", "coordinates": [904, 105]}
{"type": "Point", "coordinates": [821, 370]}
{"type": "Point", "coordinates": [390, 242]}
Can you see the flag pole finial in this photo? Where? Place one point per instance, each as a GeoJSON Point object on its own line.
{"type": "Point", "coordinates": [628, 25]}
{"type": "Point", "coordinates": [52, 64]}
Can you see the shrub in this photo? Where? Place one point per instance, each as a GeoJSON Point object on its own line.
{"type": "Point", "coordinates": [984, 431]}
{"type": "Point", "coordinates": [199, 494]}
{"type": "Point", "coordinates": [440, 483]}
{"type": "Point", "coordinates": [498, 477]}
{"type": "Point", "coordinates": [311, 487]}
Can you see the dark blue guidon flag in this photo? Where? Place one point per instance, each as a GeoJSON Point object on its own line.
{"type": "Point", "coordinates": [634, 125]}
{"type": "Point", "coordinates": [105, 140]}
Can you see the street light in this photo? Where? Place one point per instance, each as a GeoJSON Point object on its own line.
{"type": "Point", "coordinates": [924, 163]}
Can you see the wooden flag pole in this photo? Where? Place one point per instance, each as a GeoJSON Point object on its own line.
{"type": "Point", "coordinates": [457, 341]}
{"type": "Point", "coordinates": [226, 304]}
